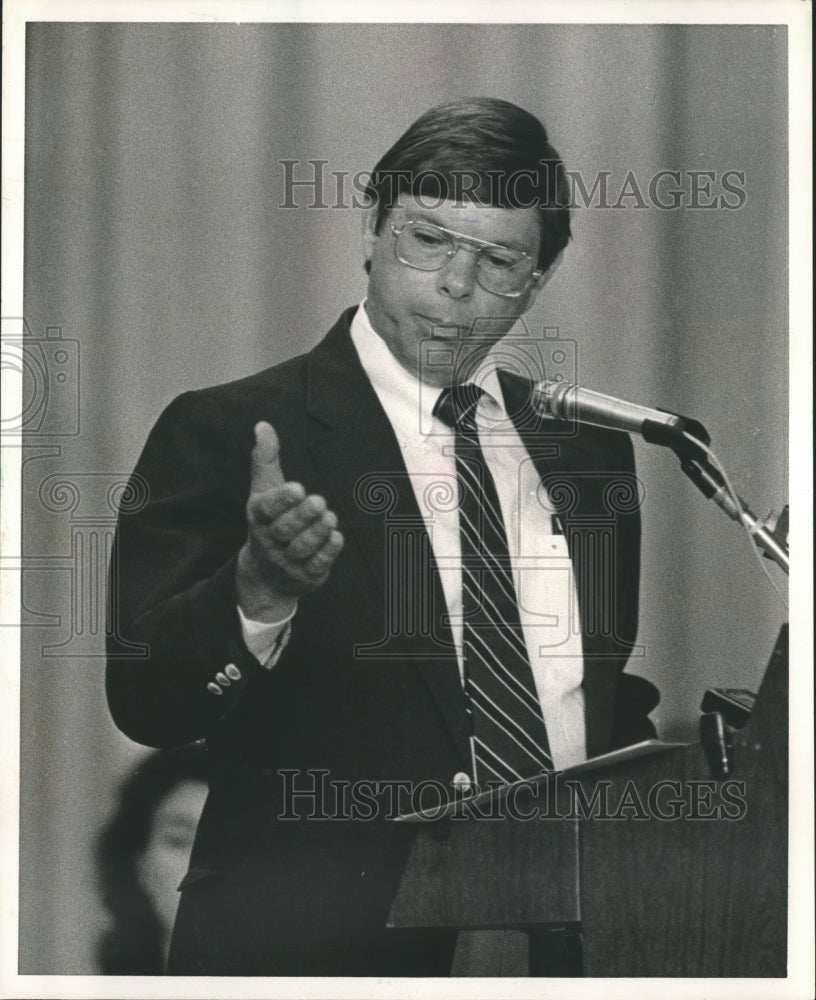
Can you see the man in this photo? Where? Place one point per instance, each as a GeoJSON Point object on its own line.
{"type": "Point", "coordinates": [310, 604]}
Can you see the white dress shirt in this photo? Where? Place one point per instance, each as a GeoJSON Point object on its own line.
{"type": "Point", "coordinates": [542, 570]}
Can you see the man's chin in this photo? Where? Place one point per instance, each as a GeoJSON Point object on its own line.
{"type": "Point", "coordinates": [446, 362]}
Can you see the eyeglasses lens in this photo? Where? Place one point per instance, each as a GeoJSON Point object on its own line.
{"type": "Point", "coordinates": [499, 270]}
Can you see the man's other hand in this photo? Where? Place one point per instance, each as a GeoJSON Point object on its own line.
{"type": "Point", "coordinates": [292, 539]}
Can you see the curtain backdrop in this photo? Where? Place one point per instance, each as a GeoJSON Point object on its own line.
{"type": "Point", "coordinates": [158, 259]}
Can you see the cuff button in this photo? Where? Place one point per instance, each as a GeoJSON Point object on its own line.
{"type": "Point", "coordinates": [232, 672]}
{"type": "Point", "coordinates": [213, 688]}
{"type": "Point", "coordinates": [223, 680]}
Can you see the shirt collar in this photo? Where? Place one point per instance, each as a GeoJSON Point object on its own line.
{"type": "Point", "coordinates": [389, 379]}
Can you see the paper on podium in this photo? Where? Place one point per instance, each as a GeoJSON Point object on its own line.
{"type": "Point", "coordinates": [643, 749]}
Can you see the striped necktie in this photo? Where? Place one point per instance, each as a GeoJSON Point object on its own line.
{"type": "Point", "coordinates": [509, 736]}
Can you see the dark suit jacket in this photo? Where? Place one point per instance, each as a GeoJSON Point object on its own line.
{"type": "Point", "coordinates": [363, 691]}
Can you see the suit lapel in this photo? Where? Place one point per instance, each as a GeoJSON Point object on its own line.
{"type": "Point", "coordinates": [354, 445]}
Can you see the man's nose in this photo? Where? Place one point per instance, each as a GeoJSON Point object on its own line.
{"type": "Point", "coordinates": [458, 277]}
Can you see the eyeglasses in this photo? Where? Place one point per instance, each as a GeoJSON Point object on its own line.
{"type": "Point", "coordinates": [499, 269]}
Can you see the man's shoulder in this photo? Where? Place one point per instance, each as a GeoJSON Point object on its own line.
{"type": "Point", "coordinates": [285, 383]}
{"type": "Point", "coordinates": [287, 377]}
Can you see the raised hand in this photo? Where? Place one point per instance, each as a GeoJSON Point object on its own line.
{"type": "Point", "coordinates": [292, 539]}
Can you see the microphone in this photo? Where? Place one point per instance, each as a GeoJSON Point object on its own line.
{"type": "Point", "coordinates": [687, 438]}
{"type": "Point", "coordinates": [565, 401]}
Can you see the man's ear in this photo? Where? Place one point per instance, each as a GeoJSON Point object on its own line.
{"type": "Point", "coordinates": [539, 282]}
{"type": "Point", "coordinates": [369, 233]}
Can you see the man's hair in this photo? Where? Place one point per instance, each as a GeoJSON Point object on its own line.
{"type": "Point", "coordinates": [481, 150]}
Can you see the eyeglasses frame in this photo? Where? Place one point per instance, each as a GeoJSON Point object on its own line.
{"type": "Point", "coordinates": [460, 240]}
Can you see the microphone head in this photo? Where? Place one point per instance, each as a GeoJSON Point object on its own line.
{"type": "Point", "coordinates": [551, 399]}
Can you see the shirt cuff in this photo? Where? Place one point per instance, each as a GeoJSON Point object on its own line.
{"type": "Point", "coordinates": [266, 640]}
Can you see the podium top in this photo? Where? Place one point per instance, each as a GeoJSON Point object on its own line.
{"type": "Point", "coordinates": [645, 748]}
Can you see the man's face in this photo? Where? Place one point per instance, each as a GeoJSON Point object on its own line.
{"type": "Point", "coordinates": [408, 307]}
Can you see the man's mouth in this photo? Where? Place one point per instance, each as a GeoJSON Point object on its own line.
{"type": "Point", "coordinates": [442, 325]}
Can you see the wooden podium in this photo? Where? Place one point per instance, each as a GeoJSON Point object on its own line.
{"type": "Point", "coordinates": [661, 869]}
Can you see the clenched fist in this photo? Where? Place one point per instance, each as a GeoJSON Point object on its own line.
{"type": "Point", "coordinates": [292, 540]}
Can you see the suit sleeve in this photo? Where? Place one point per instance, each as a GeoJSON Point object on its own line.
{"type": "Point", "coordinates": [177, 663]}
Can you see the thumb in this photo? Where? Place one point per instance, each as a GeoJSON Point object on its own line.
{"type": "Point", "coordinates": [266, 469]}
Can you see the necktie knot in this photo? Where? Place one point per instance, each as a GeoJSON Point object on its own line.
{"type": "Point", "coordinates": [456, 406]}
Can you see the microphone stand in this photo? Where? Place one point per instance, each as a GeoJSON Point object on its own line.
{"type": "Point", "coordinates": [769, 534]}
